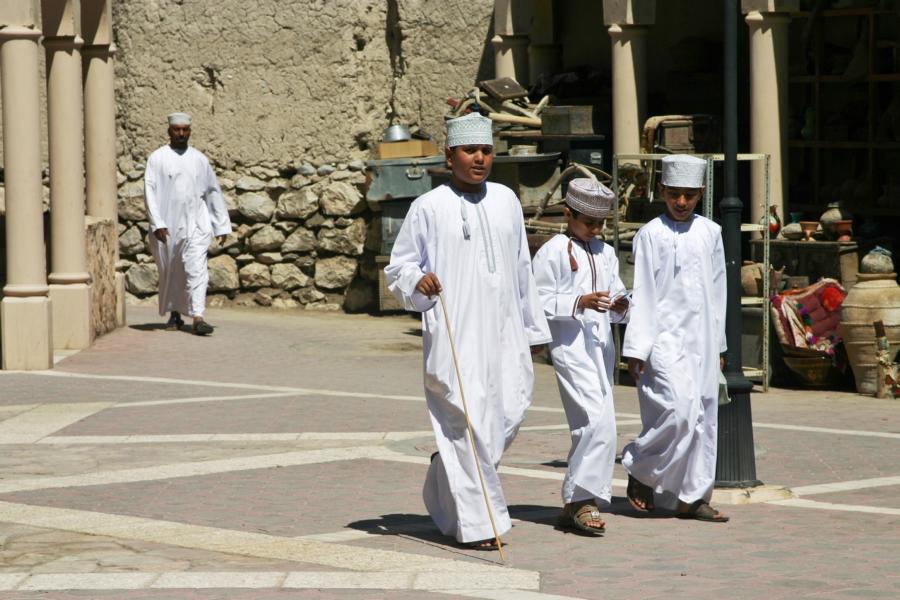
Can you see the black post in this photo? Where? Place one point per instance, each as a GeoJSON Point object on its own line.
{"type": "Point", "coordinates": [736, 463]}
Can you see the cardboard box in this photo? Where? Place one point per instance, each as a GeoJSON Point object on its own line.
{"type": "Point", "coordinates": [406, 149]}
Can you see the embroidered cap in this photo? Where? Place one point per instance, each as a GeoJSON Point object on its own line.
{"type": "Point", "coordinates": [472, 129]}
{"type": "Point", "coordinates": [683, 171]}
{"type": "Point", "coordinates": [179, 118]}
{"type": "Point", "coordinates": [589, 197]}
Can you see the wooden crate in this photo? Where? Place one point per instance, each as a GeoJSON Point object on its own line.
{"type": "Point", "coordinates": [386, 300]}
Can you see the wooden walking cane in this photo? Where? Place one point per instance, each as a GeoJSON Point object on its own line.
{"type": "Point", "coordinates": [462, 395]}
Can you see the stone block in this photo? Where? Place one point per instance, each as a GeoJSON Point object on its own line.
{"type": "Point", "coordinates": [223, 274]}
{"type": "Point", "coordinates": [341, 199]}
{"type": "Point", "coordinates": [267, 238]}
{"type": "Point", "coordinates": [349, 240]}
{"type": "Point", "coordinates": [301, 240]}
{"type": "Point", "coordinates": [256, 206]}
{"type": "Point", "coordinates": [131, 201]}
{"type": "Point", "coordinates": [101, 242]}
{"type": "Point", "coordinates": [335, 273]}
{"type": "Point", "coordinates": [297, 204]}
{"type": "Point", "coordinates": [289, 277]}
{"type": "Point", "coordinates": [254, 276]}
{"type": "Point", "coordinates": [142, 279]}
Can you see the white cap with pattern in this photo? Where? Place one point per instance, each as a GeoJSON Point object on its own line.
{"type": "Point", "coordinates": [589, 197]}
{"type": "Point", "coordinates": [683, 171]}
{"type": "Point", "coordinates": [179, 118]}
{"type": "Point", "coordinates": [470, 130]}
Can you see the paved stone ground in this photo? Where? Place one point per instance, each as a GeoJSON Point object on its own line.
{"type": "Point", "coordinates": [283, 458]}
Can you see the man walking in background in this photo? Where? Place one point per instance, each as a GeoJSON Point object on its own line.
{"type": "Point", "coordinates": [186, 209]}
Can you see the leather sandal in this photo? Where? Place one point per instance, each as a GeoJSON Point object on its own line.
{"type": "Point", "coordinates": [702, 511]}
{"type": "Point", "coordinates": [577, 515]}
{"type": "Point", "coordinates": [640, 496]}
{"type": "Point", "coordinates": [488, 544]}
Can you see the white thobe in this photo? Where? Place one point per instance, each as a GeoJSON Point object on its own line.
{"type": "Point", "coordinates": [677, 328]}
{"type": "Point", "coordinates": [183, 196]}
{"type": "Point", "coordinates": [583, 353]}
{"type": "Point", "coordinates": [476, 245]}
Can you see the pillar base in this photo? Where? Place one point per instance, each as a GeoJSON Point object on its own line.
{"type": "Point", "coordinates": [71, 316]}
{"type": "Point", "coordinates": [26, 333]}
{"type": "Point", "coordinates": [120, 299]}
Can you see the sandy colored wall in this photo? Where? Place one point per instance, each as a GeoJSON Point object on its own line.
{"type": "Point", "coordinates": [277, 82]}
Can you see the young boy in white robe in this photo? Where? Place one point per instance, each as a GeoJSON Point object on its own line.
{"type": "Point", "coordinates": [578, 282]}
{"type": "Point", "coordinates": [185, 209]}
{"type": "Point", "coordinates": [674, 342]}
{"type": "Point", "coordinates": [466, 241]}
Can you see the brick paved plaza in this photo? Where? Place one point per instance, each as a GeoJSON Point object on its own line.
{"type": "Point", "coordinates": [283, 458]}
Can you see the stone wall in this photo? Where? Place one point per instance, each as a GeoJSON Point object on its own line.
{"type": "Point", "coordinates": [300, 239]}
{"type": "Point", "coordinates": [289, 98]}
{"type": "Point", "coordinates": [278, 82]}
{"type": "Point", "coordinates": [100, 239]}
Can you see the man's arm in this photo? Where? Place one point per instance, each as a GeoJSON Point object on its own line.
{"type": "Point", "coordinates": [215, 202]}
{"type": "Point", "coordinates": [151, 201]}
{"type": "Point", "coordinates": [408, 277]}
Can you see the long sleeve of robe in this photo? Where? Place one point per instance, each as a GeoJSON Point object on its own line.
{"type": "Point", "coordinates": [182, 196]}
{"type": "Point", "coordinates": [495, 316]}
{"type": "Point", "coordinates": [583, 353]}
{"type": "Point", "coordinates": [677, 326]}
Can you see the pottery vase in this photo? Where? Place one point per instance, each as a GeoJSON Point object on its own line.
{"type": "Point", "coordinates": [878, 260]}
{"type": "Point", "coordinates": [829, 217]}
{"type": "Point", "coordinates": [875, 297]}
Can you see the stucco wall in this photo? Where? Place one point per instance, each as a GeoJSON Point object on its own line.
{"type": "Point", "coordinates": [279, 82]}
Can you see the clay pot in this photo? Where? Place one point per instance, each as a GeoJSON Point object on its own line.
{"type": "Point", "coordinates": [875, 297]}
{"type": "Point", "coordinates": [843, 229]}
{"type": "Point", "coordinates": [878, 260]}
{"type": "Point", "coordinates": [809, 228]}
{"type": "Point", "coordinates": [830, 217]}
{"type": "Point", "coordinates": [792, 231]}
{"type": "Point", "coordinates": [751, 279]}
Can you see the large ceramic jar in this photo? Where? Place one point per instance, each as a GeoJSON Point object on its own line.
{"type": "Point", "coordinates": [875, 297]}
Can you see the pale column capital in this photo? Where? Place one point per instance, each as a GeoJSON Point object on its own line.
{"type": "Point", "coordinates": [62, 43]}
{"type": "Point", "coordinates": [16, 32]}
{"type": "Point", "coordinates": [99, 51]}
{"type": "Point", "coordinates": [624, 32]}
{"type": "Point", "coordinates": [629, 12]}
{"type": "Point", "coordinates": [770, 6]}
{"type": "Point", "coordinates": [503, 42]}
{"type": "Point", "coordinates": [759, 19]}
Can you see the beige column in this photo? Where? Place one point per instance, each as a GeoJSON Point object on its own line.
{"type": "Point", "coordinates": [70, 288]}
{"type": "Point", "coordinates": [100, 122]}
{"type": "Point", "coordinates": [510, 39]}
{"type": "Point", "coordinates": [628, 22]}
{"type": "Point", "coordinates": [25, 319]}
{"type": "Point", "coordinates": [543, 51]}
{"type": "Point", "coordinates": [629, 90]}
{"type": "Point", "coordinates": [768, 98]}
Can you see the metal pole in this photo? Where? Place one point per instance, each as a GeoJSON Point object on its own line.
{"type": "Point", "coordinates": [736, 463]}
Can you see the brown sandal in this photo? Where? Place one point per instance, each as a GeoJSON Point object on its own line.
{"type": "Point", "coordinates": [702, 511]}
{"type": "Point", "coordinates": [640, 496]}
{"type": "Point", "coordinates": [488, 544]}
{"type": "Point", "coordinates": [578, 514]}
